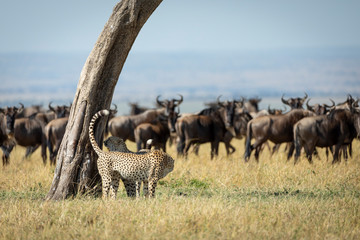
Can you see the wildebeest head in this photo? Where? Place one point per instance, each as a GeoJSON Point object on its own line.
{"type": "Point", "coordinates": [227, 110]}
{"type": "Point", "coordinates": [170, 105]}
{"type": "Point", "coordinates": [172, 118]}
{"type": "Point", "coordinates": [348, 103]}
{"type": "Point", "coordinates": [252, 105]}
{"type": "Point", "coordinates": [10, 113]}
{"type": "Point", "coordinates": [60, 111]}
{"type": "Point", "coordinates": [294, 103]}
{"type": "Point", "coordinates": [319, 109]}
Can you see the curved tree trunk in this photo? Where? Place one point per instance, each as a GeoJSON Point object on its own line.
{"type": "Point", "coordinates": [76, 168]}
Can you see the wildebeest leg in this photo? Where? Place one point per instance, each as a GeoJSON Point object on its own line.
{"type": "Point", "coordinates": [227, 139]}
{"type": "Point", "coordinates": [51, 150]}
{"type": "Point", "coordinates": [291, 151]}
{"type": "Point", "coordinates": [232, 148]}
{"type": "Point", "coordinates": [163, 146]}
{"type": "Point", "coordinates": [257, 152]}
{"type": "Point", "coordinates": [43, 150]}
{"type": "Point", "coordinates": [345, 153]}
{"type": "Point", "coordinates": [6, 154]}
{"type": "Point", "coordinates": [350, 150]}
{"type": "Point", "coordinates": [257, 146]}
{"type": "Point", "coordinates": [336, 154]}
{"type": "Point", "coordinates": [187, 146]}
{"type": "Point", "coordinates": [229, 148]}
{"type": "Point", "coordinates": [214, 149]}
{"type": "Point", "coordinates": [275, 148]}
{"type": "Point", "coordinates": [180, 147]}
{"type": "Point", "coordinates": [196, 147]}
{"type": "Point", "coordinates": [327, 154]}
{"type": "Point", "coordinates": [53, 159]}
{"type": "Point", "coordinates": [30, 150]}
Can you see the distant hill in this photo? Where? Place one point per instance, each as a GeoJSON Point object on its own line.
{"type": "Point", "coordinates": [40, 78]}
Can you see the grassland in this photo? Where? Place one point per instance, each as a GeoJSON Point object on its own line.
{"type": "Point", "coordinates": [201, 199]}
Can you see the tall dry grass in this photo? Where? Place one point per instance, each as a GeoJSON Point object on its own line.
{"type": "Point", "coordinates": [201, 199]}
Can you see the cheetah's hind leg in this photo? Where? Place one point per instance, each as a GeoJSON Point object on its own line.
{"type": "Point", "coordinates": [114, 186]}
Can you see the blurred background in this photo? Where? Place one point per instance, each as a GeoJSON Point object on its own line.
{"type": "Point", "coordinates": [200, 49]}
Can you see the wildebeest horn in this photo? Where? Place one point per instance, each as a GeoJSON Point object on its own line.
{"type": "Point", "coordinates": [50, 107]}
{"type": "Point", "coordinates": [306, 96]}
{"type": "Point", "coordinates": [180, 100]}
{"type": "Point", "coordinates": [218, 101]}
{"type": "Point", "coordinates": [303, 99]}
{"type": "Point", "coordinates": [21, 108]}
{"type": "Point", "coordinates": [283, 100]}
{"type": "Point", "coordinates": [309, 107]}
{"type": "Point", "coordinates": [161, 103]}
{"type": "Point", "coordinates": [115, 107]}
{"type": "Point", "coordinates": [333, 104]}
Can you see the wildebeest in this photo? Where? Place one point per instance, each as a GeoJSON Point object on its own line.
{"type": "Point", "coordinates": [60, 110]}
{"type": "Point", "coordinates": [29, 131]}
{"type": "Point", "coordinates": [241, 119]}
{"type": "Point", "coordinates": [205, 127]}
{"type": "Point", "coordinates": [54, 133]}
{"type": "Point", "coordinates": [28, 111]}
{"type": "Point", "coordinates": [348, 103]}
{"type": "Point", "coordinates": [276, 128]}
{"type": "Point", "coordinates": [338, 128]}
{"type": "Point", "coordinates": [7, 122]}
{"type": "Point", "coordinates": [294, 103]}
{"type": "Point", "coordinates": [158, 131]}
{"type": "Point", "coordinates": [124, 126]}
{"type": "Point", "coordinates": [252, 105]}
{"type": "Point", "coordinates": [169, 105]}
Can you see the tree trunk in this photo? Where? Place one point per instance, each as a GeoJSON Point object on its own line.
{"type": "Point", "coordinates": [76, 168]}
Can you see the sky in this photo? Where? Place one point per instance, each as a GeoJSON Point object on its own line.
{"type": "Point", "coordinates": [186, 25]}
{"type": "Point", "coordinates": [201, 48]}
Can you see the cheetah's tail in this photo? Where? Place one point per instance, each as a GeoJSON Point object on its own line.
{"type": "Point", "coordinates": [91, 130]}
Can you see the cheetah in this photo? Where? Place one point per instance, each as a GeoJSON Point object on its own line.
{"type": "Point", "coordinates": [116, 144]}
{"type": "Point", "coordinates": [149, 167]}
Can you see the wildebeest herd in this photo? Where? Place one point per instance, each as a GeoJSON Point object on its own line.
{"type": "Point", "coordinates": [332, 127]}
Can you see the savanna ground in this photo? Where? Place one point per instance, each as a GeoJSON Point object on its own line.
{"type": "Point", "coordinates": [201, 199]}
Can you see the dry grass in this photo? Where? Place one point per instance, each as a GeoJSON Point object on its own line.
{"type": "Point", "coordinates": [201, 199]}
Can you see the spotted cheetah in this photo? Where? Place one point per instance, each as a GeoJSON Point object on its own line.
{"type": "Point", "coordinates": [117, 144]}
{"type": "Point", "coordinates": [149, 167]}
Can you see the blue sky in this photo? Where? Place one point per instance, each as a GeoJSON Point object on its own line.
{"type": "Point", "coordinates": [186, 25]}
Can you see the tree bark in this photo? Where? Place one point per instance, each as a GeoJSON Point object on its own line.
{"type": "Point", "coordinates": [76, 168]}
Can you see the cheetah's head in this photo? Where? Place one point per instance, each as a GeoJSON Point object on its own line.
{"type": "Point", "coordinates": [115, 144]}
